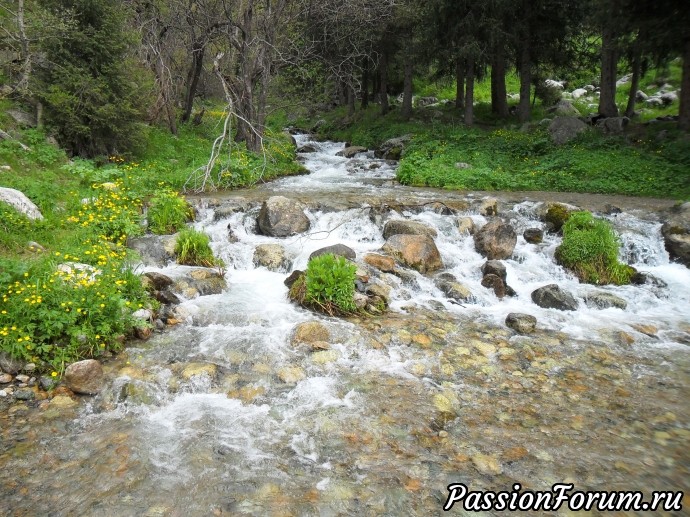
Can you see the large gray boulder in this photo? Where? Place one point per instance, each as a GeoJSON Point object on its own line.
{"type": "Point", "coordinates": [495, 240]}
{"type": "Point", "coordinates": [564, 108]}
{"type": "Point", "coordinates": [565, 129]}
{"type": "Point", "coordinates": [282, 217]}
{"type": "Point", "coordinates": [20, 202]}
{"type": "Point", "coordinates": [154, 250]}
{"type": "Point", "coordinates": [392, 149]}
{"type": "Point", "coordinates": [339, 250]}
{"type": "Point", "coordinates": [676, 232]}
{"type": "Point", "coordinates": [403, 227]}
{"type": "Point", "coordinates": [613, 125]}
{"type": "Point", "coordinates": [416, 251]}
{"type": "Point", "coordinates": [85, 377]}
{"type": "Point", "coordinates": [553, 297]}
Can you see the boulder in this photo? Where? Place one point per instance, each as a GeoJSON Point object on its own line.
{"type": "Point", "coordinates": [521, 323]}
{"type": "Point", "coordinates": [392, 149]}
{"type": "Point", "coordinates": [10, 365]}
{"type": "Point", "coordinates": [416, 251]}
{"type": "Point", "coordinates": [310, 332]}
{"type": "Point", "coordinates": [555, 214]}
{"type": "Point", "coordinates": [451, 288]}
{"type": "Point", "coordinates": [282, 217]}
{"type": "Point", "coordinates": [495, 240]}
{"type": "Point", "coordinates": [641, 96]}
{"type": "Point", "coordinates": [157, 281]}
{"type": "Point", "coordinates": [380, 290]}
{"type": "Point", "coordinates": [565, 129]}
{"type": "Point", "coordinates": [22, 118]}
{"type": "Point", "coordinates": [466, 225]}
{"type": "Point", "coordinates": [307, 148]}
{"type": "Point", "coordinates": [380, 262]}
{"type": "Point", "coordinates": [292, 278]}
{"type": "Point", "coordinates": [20, 202]}
{"type": "Point", "coordinates": [494, 282]}
{"type": "Point", "coordinates": [676, 233]}
{"type": "Point", "coordinates": [350, 152]}
{"type": "Point", "coordinates": [405, 227]}
{"type": "Point", "coordinates": [272, 257]}
{"type": "Point", "coordinates": [154, 250]}
{"type": "Point", "coordinates": [579, 92]}
{"type": "Point", "coordinates": [339, 250]}
{"type": "Point", "coordinates": [564, 108]}
{"type": "Point", "coordinates": [494, 267]}
{"type": "Point", "coordinates": [489, 207]}
{"type": "Point", "coordinates": [200, 282]}
{"type": "Point", "coordinates": [668, 98]}
{"type": "Point", "coordinates": [553, 297]}
{"type": "Point", "coordinates": [533, 235]}
{"type": "Point", "coordinates": [604, 300]}
{"type": "Point", "coordinates": [85, 377]}
{"type": "Point", "coordinates": [613, 125]}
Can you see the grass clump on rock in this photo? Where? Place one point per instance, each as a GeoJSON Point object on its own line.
{"type": "Point", "coordinates": [590, 250]}
{"type": "Point", "coordinates": [328, 285]}
{"type": "Point", "coordinates": [192, 249]}
{"type": "Point", "coordinates": [168, 212]}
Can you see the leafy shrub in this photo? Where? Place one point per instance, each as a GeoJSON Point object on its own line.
{"type": "Point", "coordinates": [329, 283]}
{"type": "Point", "coordinates": [590, 249]}
{"type": "Point", "coordinates": [192, 248]}
{"type": "Point", "coordinates": [168, 212]}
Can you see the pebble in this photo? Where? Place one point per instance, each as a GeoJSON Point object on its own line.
{"type": "Point", "coordinates": [24, 394]}
{"type": "Point", "coordinates": [29, 367]}
{"type": "Point", "coordinates": [5, 378]}
{"type": "Point", "coordinates": [3, 394]}
{"type": "Point", "coordinates": [486, 464]}
{"type": "Point", "coordinates": [22, 378]}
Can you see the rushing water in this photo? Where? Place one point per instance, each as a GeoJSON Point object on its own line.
{"type": "Point", "coordinates": [400, 405]}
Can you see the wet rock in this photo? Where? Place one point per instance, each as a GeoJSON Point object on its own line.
{"type": "Point", "coordinates": [555, 215]}
{"type": "Point", "coordinates": [676, 233]}
{"type": "Point", "coordinates": [494, 267]}
{"type": "Point", "coordinates": [157, 281]}
{"type": "Point", "coordinates": [20, 203]}
{"type": "Point", "coordinates": [232, 238]}
{"type": "Point", "coordinates": [553, 297]}
{"type": "Point", "coordinates": [310, 332]}
{"type": "Point", "coordinates": [486, 464]}
{"type": "Point", "coordinates": [453, 289]}
{"type": "Point", "coordinates": [379, 290]}
{"type": "Point", "coordinates": [167, 297]}
{"type": "Point", "coordinates": [202, 282]}
{"type": "Point", "coordinates": [62, 402]}
{"type": "Point", "coordinates": [565, 129]}
{"type": "Point", "coordinates": [307, 148]}
{"type": "Point", "coordinates": [380, 262]}
{"type": "Point", "coordinates": [646, 329]}
{"type": "Point", "coordinates": [192, 370]}
{"type": "Point", "coordinates": [143, 332]}
{"type": "Point", "coordinates": [272, 257]}
{"type": "Point", "coordinates": [85, 377]}
{"type": "Point", "coordinates": [282, 217]}
{"type": "Point", "coordinates": [533, 235]}
{"type": "Point", "coordinates": [24, 394]}
{"type": "Point", "coordinates": [466, 225]}
{"type": "Point", "coordinates": [494, 282]}
{"type": "Point", "coordinates": [325, 357]}
{"type": "Point", "coordinates": [392, 149]}
{"type": "Point", "coordinates": [521, 323]}
{"type": "Point", "coordinates": [293, 277]}
{"type": "Point", "coordinates": [9, 364]}
{"type": "Point", "coordinates": [291, 374]}
{"type": "Point", "coordinates": [154, 250]}
{"type": "Point", "coordinates": [405, 227]}
{"type": "Point", "coordinates": [489, 207]}
{"type": "Point", "coordinates": [350, 152]}
{"type": "Point", "coordinates": [416, 251]}
{"type": "Point", "coordinates": [642, 278]}
{"type": "Point", "coordinates": [603, 300]}
{"type": "Point", "coordinates": [339, 250]}
{"type": "Point", "coordinates": [495, 240]}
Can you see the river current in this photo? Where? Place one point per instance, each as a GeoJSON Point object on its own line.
{"type": "Point", "coordinates": [223, 415]}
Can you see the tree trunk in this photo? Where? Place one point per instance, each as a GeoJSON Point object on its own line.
{"type": "Point", "coordinates": [469, 93]}
{"type": "Point", "coordinates": [24, 51]}
{"type": "Point", "coordinates": [198, 50]}
{"type": "Point", "coordinates": [524, 107]}
{"type": "Point", "coordinates": [407, 89]}
{"type": "Point", "coordinates": [684, 110]}
{"type": "Point", "coordinates": [365, 83]}
{"type": "Point", "coordinates": [459, 83]}
{"type": "Point", "coordinates": [499, 98]}
{"type": "Point", "coordinates": [384, 83]}
{"type": "Point", "coordinates": [609, 61]}
{"type": "Point", "coordinates": [351, 99]}
{"type": "Point", "coordinates": [635, 81]}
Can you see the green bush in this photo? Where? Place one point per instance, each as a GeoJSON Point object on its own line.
{"type": "Point", "coordinates": [590, 249]}
{"type": "Point", "coordinates": [329, 283]}
{"type": "Point", "coordinates": [168, 212]}
{"type": "Point", "coordinates": [192, 248]}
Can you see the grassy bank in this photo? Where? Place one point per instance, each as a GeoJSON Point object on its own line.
{"type": "Point", "coordinates": [67, 289]}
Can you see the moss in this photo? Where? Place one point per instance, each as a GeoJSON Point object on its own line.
{"type": "Point", "coordinates": [557, 215]}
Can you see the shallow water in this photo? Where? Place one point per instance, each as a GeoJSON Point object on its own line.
{"type": "Point", "coordinates": [400, 406]}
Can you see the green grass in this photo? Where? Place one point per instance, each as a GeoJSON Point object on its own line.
{"type": "Point", "coordinates": [590, 249]}
{"type": "Point", "coordinates": [328, 286]}
{"type": "Point", "coordinates": [168, 212]}
{"type": "Point", "coordinates": [192, 249]}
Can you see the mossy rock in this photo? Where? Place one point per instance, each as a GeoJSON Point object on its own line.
{"type": "Point", "coordinates": [556, 216]}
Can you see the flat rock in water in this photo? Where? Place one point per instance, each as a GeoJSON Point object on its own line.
{"type": "Point", "coordinates": [282, 217]}
{"type": "Point", "coordinates": [272, 257]}
{"type": "Point", "coordinates": [533, 235]}
{"type": "Point", "coordinates": [404, 227]}
{"type": "Point", "coordinates": [416, 251]}
{"type": "Point", "coordinates": [521, 323]}
{"type": "Point", "coordinates": [310, 332]}
{"type": "Point", "coordinates": [553, 297]}
{"type": "Point", "coordinates": [602, 300]}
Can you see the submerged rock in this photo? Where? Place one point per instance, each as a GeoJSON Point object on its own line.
{"type": "Point", "coordinates": [603, 300]}
{"type": "Point", "coordinates": [533, 235]}
{"type": "Point", "coordinates": [521, 323]}
{"type": "Point", "coordinates": [84, 377]}
{"type": "Point", "coordinates": [310, 332]}
{"type": "Point", "coordinates": [416, 251]}
{"type": "Point", "coordinates": [553, 297]}
{"type": "Point", "coordinates": [466, 225]}
{"type": "Point", "coordinates": [495, 240]}
{"type": "Point", "coordinates": [282, 217]}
